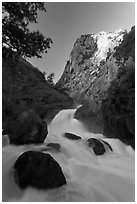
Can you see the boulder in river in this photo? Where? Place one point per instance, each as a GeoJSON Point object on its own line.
{"type": "Point", "coordinates": [38, 170]}
{"type": "Point", "coordinates": [54, 146]}
{"type": "Point", "coordinates": [71, 136]}
{"type": "Point", "coordinates": [107, 144]}
{"type": "Point", "coordinates": [96, 145]}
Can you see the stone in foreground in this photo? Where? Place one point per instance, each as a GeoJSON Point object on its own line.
{"type": "Point", "coordinates": [38, 170]}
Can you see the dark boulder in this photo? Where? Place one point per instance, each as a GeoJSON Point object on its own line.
{"type": "Point", "coordinates": [38, 170]}
{"type": "Point", "coordinates": [29, 129]}
{"type": "Point", "coordinates": [96, 145]}
{"type": "Point", "coordinates": [71, 136]}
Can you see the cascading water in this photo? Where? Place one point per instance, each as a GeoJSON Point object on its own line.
{"type": "Point", "coordinates": [90, 178]}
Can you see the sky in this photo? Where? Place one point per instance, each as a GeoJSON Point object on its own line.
{"type": "Point", "coordinates": [64, 22]}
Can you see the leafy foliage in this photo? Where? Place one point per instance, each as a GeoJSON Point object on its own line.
{"type": "Point", "coordinates": [127, 48]}
{"type": "Point", "coordinates": [84, 48]}
{"type": "Point", "coordinates": [121, 92]}
{"type": "Point", "coordinates": [119, 106]}
{"type": "Point", "coordinates": [50, 78]}
{"type": "Point", "coordinates": [15, 32]}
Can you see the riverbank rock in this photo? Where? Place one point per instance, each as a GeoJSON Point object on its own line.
{"type": "Point", "coordinates": [24, 87]}
{"type": "Point", "coordinates": [38, 170]}
{"type": "Point", "coordinates": [72, 136]}
{"type": "Point", "coordinates": [28, 129]}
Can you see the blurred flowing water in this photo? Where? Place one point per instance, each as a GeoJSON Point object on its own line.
{"type": "Point", "coordinates": [90, 178]}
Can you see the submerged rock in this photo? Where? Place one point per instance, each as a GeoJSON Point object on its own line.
{"type": "Point", "coordinates": [71, 136]}
{"type": "Point", "coordinates": [38, 170]}
{"type": "Point", "coordinates": [107, 144]}
{"type": "Point", "coordinates": [29, 129]}
{"type": "Point", "coordinates": [96, 145]}
{"type": "Point", "coordinates": [54, 146]}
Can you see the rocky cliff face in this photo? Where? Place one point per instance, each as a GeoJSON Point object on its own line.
{"type": "Point", "coordinates": [100, 74]}
{"type": "Point", "coordinates": [91, 66]}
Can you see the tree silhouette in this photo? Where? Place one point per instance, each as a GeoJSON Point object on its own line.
{"type": "Point", "coordinates": [15, 33]}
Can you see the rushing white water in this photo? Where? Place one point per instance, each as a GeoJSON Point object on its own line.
{"type": "Point", "coordinates": [90, 178]}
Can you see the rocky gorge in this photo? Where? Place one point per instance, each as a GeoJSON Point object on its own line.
{"type": "Point", "coordinates": [73, 140]}
{"type": "Point", "coordinates": [100, 75]}
{"type": "Point", "coordinates": [50, 149]}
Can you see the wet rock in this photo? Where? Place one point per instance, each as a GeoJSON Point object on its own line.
{"type": "Point", "coordinates": [29, 129]}
{"type": "Point", "coordinates": [96, 145]}
{"type": "Point", "coordinates": [107, 144]}
{"type": "Point", "coordinates": [72, 136]}
{"type": "Point", "coordinates": [38, 170]}
{"type": "Point", "coordinates": [46, 147]}
{"type": "Point", "coordinates": [54, 146]}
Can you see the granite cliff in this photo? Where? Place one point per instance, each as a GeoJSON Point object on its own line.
{"type": "Point", "coordinates": [91, 66]}
{"type": "Point", "coordinates": [100, 74]}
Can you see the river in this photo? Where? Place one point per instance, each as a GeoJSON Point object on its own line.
{"type": "Point", "coordinates": [90, 178]}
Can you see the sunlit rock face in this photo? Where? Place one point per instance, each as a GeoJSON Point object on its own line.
{"type": "Point", "coordinates": [91, 66]}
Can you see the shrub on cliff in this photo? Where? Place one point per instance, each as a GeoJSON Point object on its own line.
{"type": "Point", "coordinates": [50, 78]}
{"type": "Point", "coordinates": [84, 48]}
{"type": "Point", "coordinates": [119, 106]}
{"type": "Point", "coordinates": [127, 48]}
